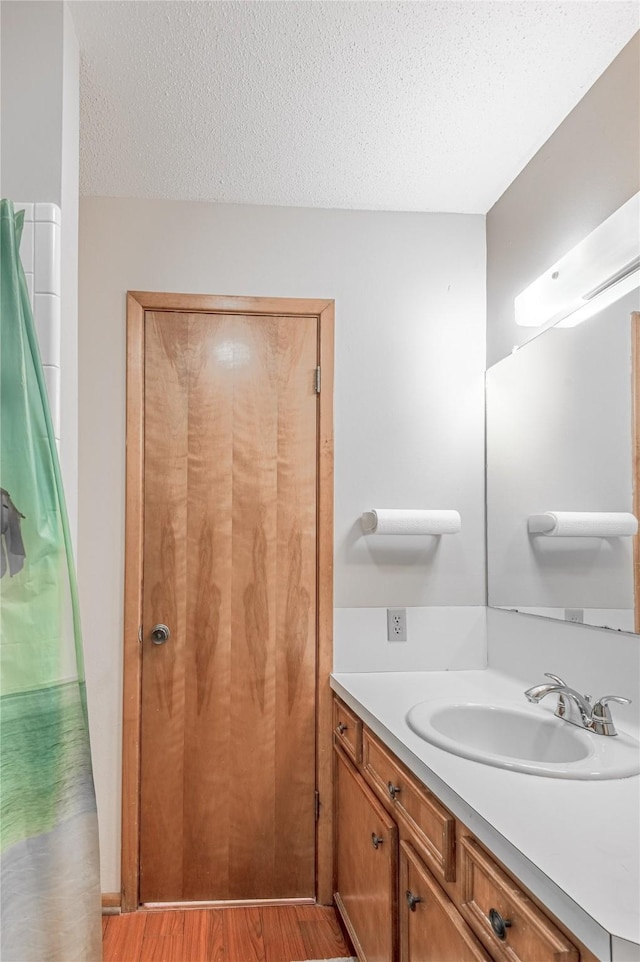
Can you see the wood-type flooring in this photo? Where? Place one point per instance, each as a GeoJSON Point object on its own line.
{"type": "Point", "coordinates": [278, 933]}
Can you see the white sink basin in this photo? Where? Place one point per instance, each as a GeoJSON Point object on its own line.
{"type": "Point", "coordinates": [523, 738]}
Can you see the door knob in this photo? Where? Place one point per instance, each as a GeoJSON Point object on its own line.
{"type": "Point", "coordinates": [160, 634]}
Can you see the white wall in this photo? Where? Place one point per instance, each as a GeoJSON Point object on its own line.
{"type": "Point", "coordinates": [39, 159]}
{"type": "Point", "coordinates": [31, 74]}
{"type": "Point", "coordinates": [439, 638]}
{"type": "Point", "coordinates": [586, 170]}
{"type": "Point", "coordinates": [409, 292]}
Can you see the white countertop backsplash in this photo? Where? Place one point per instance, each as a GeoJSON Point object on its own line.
{"type": "Point", "coordinates": [574, 844]}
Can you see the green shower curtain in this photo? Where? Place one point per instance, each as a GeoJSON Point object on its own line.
{"type": "Point", "coordinates": [49, 869]}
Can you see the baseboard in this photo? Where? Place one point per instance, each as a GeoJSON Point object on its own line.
{"type": "Point", "coordinates": [222, 904]}
{"type": "Point", "coordinates": [344, 919]}
{"type": "Point", "coordinates": [111, 902]}
{"type": "Point", "coordinates": [346, 934]}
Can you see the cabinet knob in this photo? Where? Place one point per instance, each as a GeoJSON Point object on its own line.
{"type": "Point", "coordinates": [342, 728]}
{"type": "Point", "coordinates": [393, 790]}
{"type": "Point", "coordinates": [412, 900]}
{"type": "Point", "coordinates": [376, 840]}
{"type": "Point", "coordinates": [498, 924]}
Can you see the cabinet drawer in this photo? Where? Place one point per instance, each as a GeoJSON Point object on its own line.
{"type": "Point", "coordinates": [432, 827]}
{"type": "Point", "coordinates": [530, 936]}
{"type": "Point", "coordinates": [347, 730]}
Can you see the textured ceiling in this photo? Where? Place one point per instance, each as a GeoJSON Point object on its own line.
{"type": "Point", "coordinates": [431, 106]}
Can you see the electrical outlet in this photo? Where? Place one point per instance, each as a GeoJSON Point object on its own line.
{"type": "Point", "coordinates": [396, 624]}
{"type": "Point", "coordinates": [574, 614]}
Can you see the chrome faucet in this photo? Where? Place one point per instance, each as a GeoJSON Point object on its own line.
{"type": "Point", "coordinates": [578, 709]}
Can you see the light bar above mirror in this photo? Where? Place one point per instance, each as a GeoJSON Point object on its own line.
{"type": "Point", "coordinates": [594, 274]}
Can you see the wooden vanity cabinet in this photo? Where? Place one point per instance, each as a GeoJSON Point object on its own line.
{"type": "Point", "coordinates": [366, 866]}
{"type": "Point", "coordinates": [429, 891]}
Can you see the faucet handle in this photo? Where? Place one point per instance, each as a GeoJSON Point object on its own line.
{"type": "Point", "coordinates": [600, 707]}
{"type": "Point", "coordinates": [602, 715]}
{"type": "Point", "coordinates": [555, 678]}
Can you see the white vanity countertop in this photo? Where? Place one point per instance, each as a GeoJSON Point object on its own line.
{"type": "Point", "coordinates": [574, 844]}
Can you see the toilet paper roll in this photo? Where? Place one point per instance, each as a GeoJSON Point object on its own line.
{"type": "Point", "coordinates": [410, 521]}
{"type": "Point", "coordinates": [584, 524]}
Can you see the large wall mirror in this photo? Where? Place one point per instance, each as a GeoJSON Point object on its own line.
{"type": "Point", "coordinates": [560, 437]}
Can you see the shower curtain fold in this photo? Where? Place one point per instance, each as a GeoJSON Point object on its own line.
{"type": "Point", "coordinates": [49, 864]}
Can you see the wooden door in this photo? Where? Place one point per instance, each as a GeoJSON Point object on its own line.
{"type": "Point", "coordinates": [366, 866]}
{"type": "Point", "coordinates": [227, 789]}
{"type": "Point", "coordinates": [431, 928]}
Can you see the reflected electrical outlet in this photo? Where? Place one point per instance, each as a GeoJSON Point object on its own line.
{"type": "Point", "coordinates": [576, 615]}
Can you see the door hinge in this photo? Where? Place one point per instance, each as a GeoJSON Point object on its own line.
{"type": "Point", "coordinates": [317, 794]}
{"type": "Point", "coordinates": [317, 380]}
{"type": "Point", "coordinates": [140, 634]}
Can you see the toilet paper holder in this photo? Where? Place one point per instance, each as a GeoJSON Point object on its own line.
{"type": "Point", "coordinates": [410, 521]}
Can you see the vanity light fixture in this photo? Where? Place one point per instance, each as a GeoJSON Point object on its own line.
{"type": "Point", "coordinates": [598, 271]}
{"type": "Point", "coordinates": [605, 297]}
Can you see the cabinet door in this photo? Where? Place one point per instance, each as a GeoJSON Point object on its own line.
{"type": "Point", "coordinates": [431, 928]}
{"type": "Point", "coordinates": [366, 866]}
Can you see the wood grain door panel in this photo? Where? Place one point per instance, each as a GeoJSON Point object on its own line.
{"type": "Point", "coordinates": [228, 704]}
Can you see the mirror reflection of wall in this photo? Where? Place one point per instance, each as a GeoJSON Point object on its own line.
{"type": "Point", "coordinates": [559, 438]}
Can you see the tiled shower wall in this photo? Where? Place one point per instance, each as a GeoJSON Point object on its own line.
{"type": "Point", "coordinates": [40, 255]}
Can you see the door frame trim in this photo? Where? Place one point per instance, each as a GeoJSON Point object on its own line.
{"type": "Point", "coordinates": [137, 303]}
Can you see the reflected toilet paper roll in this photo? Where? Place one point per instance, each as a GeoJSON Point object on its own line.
{"type": "Point", "coordinates": [584, 524]}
